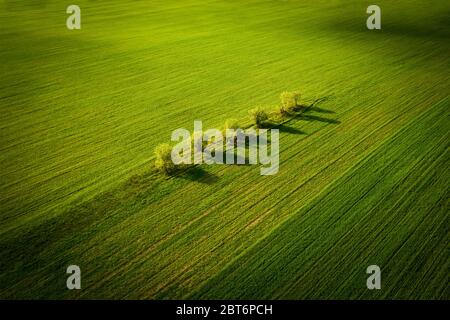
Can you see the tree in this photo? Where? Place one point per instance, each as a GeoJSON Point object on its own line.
{"type": "Point", "coordinates": [163, 161]}
{"type": "Point", "coordinates": [259, 116]}
{"type": "Point", "coordinates": [290, 100]}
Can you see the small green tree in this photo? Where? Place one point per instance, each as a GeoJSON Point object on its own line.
{"type": "Point", "coordinates": [290, 100]}
{"type": "Point", "coordinates": [163, 161]}
{"type": "Point", "coordinates": [259, 116]}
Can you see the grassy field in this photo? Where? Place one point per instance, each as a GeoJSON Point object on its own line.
{"type": "Point", "coordinates": [363, 175]}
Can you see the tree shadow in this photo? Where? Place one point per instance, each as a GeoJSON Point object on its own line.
{"type": "Point", "coordinates": [321, 100]}
{"type": "Point", "coordinates": [304, 111]}
{"type": "Point", "coordinates": [288, 129]}
{"type": "Point", "coordinates": [197, 173]}
{"type": "Point", "coordinates": [310, 117]}
{"type": "Point", "coordinates": [321, 110]}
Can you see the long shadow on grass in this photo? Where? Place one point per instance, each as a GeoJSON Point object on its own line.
{"type": "Point", "coordinates": [310, 117]}
{"type": "Point", "coordinates": [303, 112]}
{"type": "Point", "coordinates": [321, 110]}
{"type": "Point", "coordinates": [288, 129]}
{"type": "Point", "coordinates": [197, 173]}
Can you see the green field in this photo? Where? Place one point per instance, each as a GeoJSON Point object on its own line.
{"type": "Point", "coordinates": [363, 175]}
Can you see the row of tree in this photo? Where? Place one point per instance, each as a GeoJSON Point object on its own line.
{"type": "Point", "coordinates": [290, 104]}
